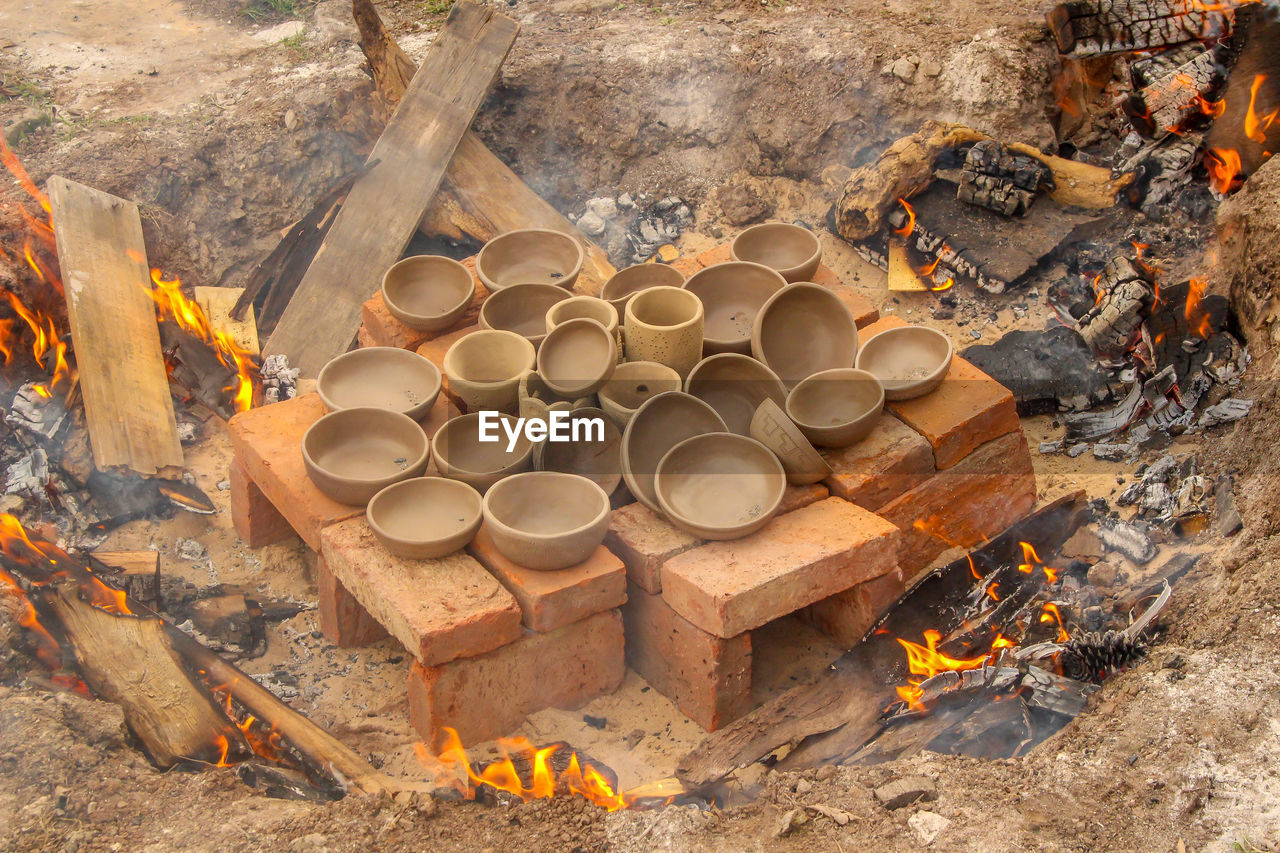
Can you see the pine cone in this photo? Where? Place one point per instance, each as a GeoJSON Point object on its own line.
{"type": "Point", "coordinates": [1094, 657]}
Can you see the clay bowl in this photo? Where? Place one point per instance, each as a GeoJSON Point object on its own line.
{"type": "Point", "coordinates": [835, 408]}
{"type": "Point", "coordinates": [626, 283]}
{"type": "Point", "coordinates": [661, 422]}
{"type": "Point", "coordinates": [802, 329]}
{"type": "Point", "coordinates": [732, 295]}
{"type": "Point", "coordinates": [577, 357]}
{"type": "Point", "coordinates": [428, 292]}
{"type": "Point", "coordinates": [771, 427]}
{"type": "Point", "coordinates": [389, 378]}
{"type": "Point", "coordinates": [485, 366]}
{"type": "Point", "coordinates": [461, 455]}
{"type": "Point", "coordinates": [425, 518]}
{"type": "Point", "coordinates": [734, 385]}
{"type": "Point", "coordinates": [537, 401]}
{"type": "Point", "coordinates": [909, 361]}
{"type": "Point", "coordinates": [791, 250]}
{"type": "Point", "coordinates": [631, 384]}
{"type": "Point", "coordinates": [583, 307]}
{"type": "Point", "coordinates": [530, 256]}
{"type": "Point", "coordinates": [546, 520]}
{"type": "Point", "coordinates": [521, 308]}
{"type": "Point", "coordinates": [594, 456]}
{"type": "Point", "coordinates": [719, 485]}
{"type": "Point", "coordinates": [353, 454]}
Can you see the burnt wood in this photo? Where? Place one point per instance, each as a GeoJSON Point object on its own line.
{"type": "Point", "coordinates": [1084, 28]}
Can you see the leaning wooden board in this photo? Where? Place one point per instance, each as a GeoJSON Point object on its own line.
{"type": "Point", "coordinates": [385, 205]}
{"type": "Point", "coordinates": [113, 329]}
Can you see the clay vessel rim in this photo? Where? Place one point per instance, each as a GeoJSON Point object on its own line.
{"type": "Point", "coordinates": [739, 339]}
{"type": "Point", "coordinates": [582, 299]}
{"type": "Point", "coordinates": [554, 337]}
{"type": "Point", "coordinates": [515, 479]}
{"type": "Point", "coordinates": [522, 441]}
{"type": "Point", "coordinates": [629, 475]}
{"type": "Point", "coordinates": [698, 314]}
{"type": "Point", "coordinates": [712, 362]}
{"type": "Point", "coordinates": [358, 414]}
{"type": "Point", "coordinates": [569, 275]}
{"type": "Point", "coordinates": [464, 490]}
{"type": "Point", "coordinates": [816, 254]}
{"type": "Point", "coordinates": [911, 331]}
{"type": "Point", "coordinates": [495, 299]}
{"type": "Point", "coordinates": [490, 384]}
{"type": "Point", "coordinates": [776, 476]}
{"type": "Point", "coordinates": [375, 352]}
{"type": "Point", "coordinates": [429, 260]}
{"type": "Point", "coordinates": [606, 290]}
{"type": "Point", "coordinates": [834, 374]}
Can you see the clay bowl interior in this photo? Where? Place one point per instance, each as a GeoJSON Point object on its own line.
{"type": "Point", "coordinates": [631, 384]}
{"type": "Point", "coordinates": [734, 385]}
{"type": "Point", "coordinates": [910, 361]}
{"type": "Point", "coordinates": [835, 408]}
{"type": "Point", "coordinates": [802, 329]}
{"type": "Point", "coordinates": [546, 520]}
{"type": "Point", "coordinates": [666, 308]}
{"type": "Point", "coordinates": [380, 378]}
{"type": "Point", "coordinates": [577, 357]}
{"type": "Point", "coordinates": [530, 256]}
{"type": "Point", "coordinates": [353, 454]}
{"type": "Point", "coordinates": [720, 485]}
{"type": "Point", "coordinates": [626, 283]}
{"type": "Point", "coordinates": [522, 308]}
{"type": "Point", "coordinates": [596, 455]}
{"type": "Point", "coordinates": [582, 307]}
{"type": "Point", "coordinates": [484, 367]}
{"type": "Point", "coordinates": [771, 427]}
{"type": "Point", "coordinates": [658, 425]}
{"type": "Point", "coordinates": [791, 250]}
{"type": "Point", "coordinates": [428, 292]}
{"type": "Point", "coordinates": [425, 518]}
{"type": "Point", "coordinates": [460, 455]}
{"type": "Point", "coordinates": [732, 294]}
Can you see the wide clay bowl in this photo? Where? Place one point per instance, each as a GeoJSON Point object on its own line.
{"type": "Point", "coordinates": [389, 378]}
{"type": "Point", "coordinates": [658, 425]}
{"type": "Point", "coordinates": [771, 427]}
{"type": "Point", "coordinates": [577, 357]}
{"type": "Point", "coordinates": [484, 369]}
{"type": "Point", "coordinates": [583, 307]}
{"type": "Point", "coordinates": [734, 385]}
{"type": "Point", "coordinates": [353, 454]}
{"type": "Point", "coordinates": [530, 256]}
{"type": "Point", "coordinates": [461, 455]}
{"type": "Point", "coordinates": [631, 384]}
{"type": "Point", "coordinates": [428, 292]}
{"type": "Point", "coordinates": [720, 485]}
{"type": "Point", "coordinates": [909, 361]}
{"type": "Point", "coordinates": [593, 450]}
{"type": "Point", "coordinates": [546, 520]}
{"type": "Point", "coordinates": [791, 250]}
{"type": "Point", "coordinates": [732, 295]}
{"type": "Point", "coordinates": [835, 408]}
{"type": "Point", "coordinates": [425, 518]}
{"type": "Point", "coordinates": [522, 308]}
{"type": "Point", "coordinates": [626, 283]}
{"type": "Point", "coordinates": [802, 329]}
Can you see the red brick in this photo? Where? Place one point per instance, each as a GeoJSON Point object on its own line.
{"type": "Point", "coordinates": [256, 521]}
{"type": "Point", "coordinates": [887, 463]}
{"type": "Point", "coordinates": [864, 313]}
{"type": "Point", "coordinates": [718, 255]}
{"type": "Point", "coordinates": [438, 609]}
{"type": "Point", "coordinates": [435, 348]}
{"type": "Point", "coordinates": [384, 330]}
{"type": "Point", "coordinates": [364, 339]}
{"type": "Point", "coordinates": [687, 265]}
{"type": "Point", "coordinates": [342, 619]}
{"type": "Point", "coordinates": [799, 558]}
{"type": "Point", "coordinates": [847, 616]}
{"type": "Point", "coordinates": [489, 696]}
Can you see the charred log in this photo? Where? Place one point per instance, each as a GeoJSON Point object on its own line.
{"type": "Point", "coordinates": [995, 178]}
{"type": "Point", "coordinates": [1084, 28]}
{"type": "Point", "coordinates": [1169, 101]}
{"type": "Point", "coordinates": [1127, 294]}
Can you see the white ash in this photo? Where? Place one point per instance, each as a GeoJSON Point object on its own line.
{"type": "Point", "coordinates": [189, 549]}
{"type": "Point", "coordinates": [279, 380]}
{"type": "Point", "coordinates": [35, 412]}
{"type": "Point", "coordinates": [1228, 411]}
{"type": "Point", "coordinates": [27, 478]}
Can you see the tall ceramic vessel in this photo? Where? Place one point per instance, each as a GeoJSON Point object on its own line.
{"type": "Point", "coordinates": [665, 324]}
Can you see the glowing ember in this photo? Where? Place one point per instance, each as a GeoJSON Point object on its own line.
{"type": "Point", "coordinates": [1197, 317]}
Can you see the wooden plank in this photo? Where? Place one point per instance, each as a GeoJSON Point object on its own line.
{"type": "Point", "coordinates": [217, 302]}
{"type": "Point", "coordinates": [113, 329]}
{"type": "Point", "coordinates": [902, 277]}
{"type": "Point", "coordinates": [385, 205]}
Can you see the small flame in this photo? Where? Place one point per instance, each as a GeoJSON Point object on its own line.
{"type": "Point", "coordinates": [910, 224]}
{"type": "Point", "coordinates": [924, 662]}
{"type": "Point", "coordinates": [1212, 109]}
{"type": "Point", "coordinates": [1197, 316]}
{"type": "Point", "coordinates": [1224, 168]}
{"type": "Point", "coordinates": [17, 545]}
{"type": "Point", "coordinates": [1256, 126]}
{"type": "Point", "coordinates": [991, 592]}
{"type": "Point", "coordinates": [1051, 614]}
{"type": "Point", "coordinates": [48, 651]}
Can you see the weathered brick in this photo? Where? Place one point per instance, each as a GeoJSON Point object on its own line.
{"type": "Point", "coordinates": [364, 339]}
{"type": "Point", "coordinates": [687, 265]}
{"type": "Point", "coordinates": [846, 616]}
{"type": "Point", "coordinates": [254, 518]}
{"type": "Point", "coordinates": [870, 473]}
{"type": "Point", "coordinates": [719, 255]}
{"type": "Point", "coordinates": [342, 619]}
{"type": "Point", "coordinates": [384, 330]}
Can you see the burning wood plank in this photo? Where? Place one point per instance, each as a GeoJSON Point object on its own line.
{"type": "Point", "coordinates": [1085, 28]}
{"type": "Point", "coordinates": [1167, 102]}
{"type": "Point", "coordinates": [217, 303]}
{"type": "Point", "coordinates": [1126, 294]}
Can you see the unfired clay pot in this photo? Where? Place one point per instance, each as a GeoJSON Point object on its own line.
{"type": "Point", "coordinates": [353, 454]}
{"type": "Point", "coordinates": [577, 357]}
{"type": "Point", "coordinates": [484, 369]}
{"type": "Point", "coordinates": [835, 408]}
{"type": "Point", "coordinates": [546, 520]}
{"type": "Point", "coordinates": [538, 401]}
{"type": "Point", "coordinates": [631, 384]}
{"type": "Point", "coordinates": [597, 460]}
{"type": "Point", "coordinates": [425, 518]}
{"type": "Point", "coordinates": [665, 324]}
{"type": "Point", "coordinates": [390, 378]}
{"type": "Point", "coordinates": [658, 425]}
{"type": "Point", "coordinates": [626, 283]}
{"type": "Point", "coordinates": [791, 250]}
{"type": "Point", "coordinates": [587, 307]}
{"type": "Point", "coordinates": [522, 308]}
{"type": "Point", "coordinates": [771, 427]}
{"type": "Point", "coordinates": [734, 385]}
{"type": "Point", "coordinates": [732, 294]}
{"type": "Point", "coordinates": [719, 485]}
{"type": "Point", "coordinates": [530, 256]}
{"type": "Point", "coordinates": [460, 455]}
{"type": "Point", "coordinates": [802, 329]}
{"type": "Point", "coordinates": [428, 292]}
{"type": "Point", "coordinates": [910, 361]}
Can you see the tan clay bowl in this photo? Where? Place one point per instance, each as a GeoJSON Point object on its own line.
{"type": "Point", "coordinates": [791, 250]}
{"type": "Point", "coordinates": [389, 378]}
{"type": "Point", "coordinates": [631, 384]}
{"type": "Point", "coordinates": [546, 520]}
{"type": "Point", "coordinates": [521, 308]}
{"type": "Point", "coordinates": [577, 357]}
{"type": "Point", "coordinates": [835, 408]}
{"type": "Point", "coordinates": [583, 307]}
{"type": "Point", "coordinates": [485, 366]}
{"type": "Point", "coordinates": [910, 361]}
{"type": "Point", "coordinates": [353, 454]}
{"type": "Point", "coordinates": [428, 292]}
{"type": "Point", "coordinates": [734, 385]}
{"type": "Point", "coordinates": [732, 295]}
{"type": "Point", "coordinates": [460, 455]}
{"type": "Point", "coordinates": [771, 427]}
{"type": "Point", "coordinates": [538, 401]}
{"type": "Point", "coordinates": [425, 518]}
{"type": "Point", "coordinates": [720, 485]}
{"type": "Point", "coordinates": [665, 324]}
{"type": "Point", "coordinates": [658, 425]}
{"type": "Point", "coordinates": [530, 256]}
{"type": "Point", "coordinates": [802, 329]}
{"type": "Point", "coordinates": [626, 283]}
{"type": "Point", "coordinates": [595, 456]}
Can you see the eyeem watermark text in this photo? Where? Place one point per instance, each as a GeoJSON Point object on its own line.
{"type": "Point", "coordinates": [559, 427]}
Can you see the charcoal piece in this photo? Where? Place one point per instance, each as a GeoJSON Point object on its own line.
{"type": "Point", "coordinates": [1050, 692]}
{"type": "Point", "coordinates": [1228, 411]}
{"type": "Point", "coordinates": [1090, 426]}
{"type": "Point", "coordinates": [993, 730]}
{"type": "Point", "coordinates": [997, 179]}
{"type": "Point", "coordinates": [1127, 295]}
{"type": "Point", "coordinates": [1127, 539]}
{"type": "Point", "coordinates": [1043, 367]}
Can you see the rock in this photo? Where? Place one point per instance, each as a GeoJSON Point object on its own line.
{"type": "Point", "coordinates": [804, 786]}
{"type": "Point", "coordinates": [927, 826]}
{"type": "Point", "coordinates": [592, 224]}
{"type": "Point", "coordinates": [825, 773]}
{"type": "Point", "coordinates": [290, 119]}
{"type": "Point", "coordinates": [1078, 449]}
{"type": "Point", "coordinates": [930, 68]}
{"type": "Point", "coordinates": [626, 202]}
{"type": "Point", "coordinates": [187, 432]}
{"type": "Point", "coordinates": [189, 549]}
{"type": "Point", "coordinates": [742, 205]}
{"type": "Point", "coordinates": [1050, 447]}
{"type": "Point", "coordinates": [906, 790]}
{"type": "Point", "coordinates": [790, 820]}
{"type": "Point", "coordinates": [224, 485]}
{"type": "Point", "coordinates": [603, 207]}
{"type": "Point", "coordinates": [1111, 452]}
{"type": "Point", "coordinates": [904, 69]}
{"type": "Point", "coordinates": [1103, 575]}
{"type": "Point", "coordinates": [648, 232]}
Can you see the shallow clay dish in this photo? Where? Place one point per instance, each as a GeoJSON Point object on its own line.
{"type": "Point", "coordinates": [910, 361]}
{"type": "Point", "coordinates": [631, 384]}
{"type": "Point", "coordinates": [720, 485]}
{"type": "Point", "coordinates": [460, 455]}
{"type": "Point", "coordinates": [734, 385]}
{"type": "Point", "coordinates": [732, 294]}
{"type": "Point", "coordinates": [546, 520]}
{"type": "Point", "coordinates": [596, 457]}
{"type": "Point", "coordinates": [577, 357]}
{"type": "Point", "coordinates": [530, 256]}
{"type": "Point", "coordinates": [353, 454]}
{"type": "Point", "coordinates": [485, 366]}
{"type": "Point", "coordinates": [584, 307]}
{"type": "Point", "coordinates": [835, 408]}
{"type": "Point", "coordinates": [771, 427]}
{"type": "Point", "coordinates": [428, 292]}
{"type": "Point", "coordinates": [380, 378]}
{"type": "Point", "coordinates": [425, 518]}
{"type": "Point", "coordinates": [802, 329]}
{"type": "Point", "coordinates": [791, 250]}
{"type": "Point", "coordinates": [661, 422]}
{"type": "Point", "coordinates": [521, 308]}
{"type": "Point", "coordinates": [626, 283]}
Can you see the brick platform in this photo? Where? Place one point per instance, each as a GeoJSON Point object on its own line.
{"type": "Point", "coordinates": [343, 619]}
{"type": "Point", "coordinates": [253, 516]}
{"type": "Point", "coordinates": [892, 460]}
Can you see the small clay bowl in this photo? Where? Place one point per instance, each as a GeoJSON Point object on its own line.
{"type": "Point", "coordinates": [594, 454]}
{"type": "Point", "coordinates": [485, 366]}
{"type": "Point", "coordinates": [732, 294]}
{"type": "Point", "coordinates": [626, 283]}
{"type": "Point", "coordinates": [577, 357]}
{"type": "Point", "coordinates": [521, 308]}
{"type": "Point", "coordinates": [909, 361]}
{"type": "Point", "coordinates": [771, 427]}
{"type": "Point", "coordinates": [584, 307]}
{"type": "Point", "coordinates": [530, 256]}
{"type": "Point", "coordinates": [537, 401]}
{"type": "Point", "coordinates": [428, 292]}
{"type": "Point", "coordinates": [545, 520]}
{"type": "Point", "coordinates": [631, 384]}
{"type": "Point", "coordinates": [791, 250]}
{"type": "Point", "coordinates": [719, 485]}
{"type": "Point", "coordinates": [802, 329]}
{"type": "Point", "coordinates": [835, 408]}
{"type": "Point", "coordinates": [391, 378]}
{"type": "Point", "coordinates": [425, 518]}
{"type": "Point", "coordinates": [734, 385]}
{"type": "Point", "coordinates": [352, 454]}
{"type": "Point", "coordinates": [661, 422]}
{"type": "Point", "coordinates": [461, 455]}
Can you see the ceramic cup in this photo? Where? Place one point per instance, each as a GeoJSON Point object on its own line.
{"type": "Point", "coordinates": [665, 324]}
{"type": "Point", "coordinates": [484, 369]}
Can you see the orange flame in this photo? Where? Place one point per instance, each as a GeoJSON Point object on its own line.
{"type": "Point", "coordinates": [991, 592]}
{"type": "Point", "coordinates": [924, 662]}
{"type": "Point", "coordinates": [1051, 614]}
{"type": "Point", "coordinates": [47, 649]}
{"type": "Point", "coordinates": [1224, 167]}
{"type": "Point", "coordinates": [1256, 126]}
{"type": "Point", "coordinates": [910, 225]}
{"type": "Point", "coordinates": [17, 545]}
{"type": "Point", "coordinates": [1197, 317]}
{"type": "Point", "coordinates": [1031, 560]}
